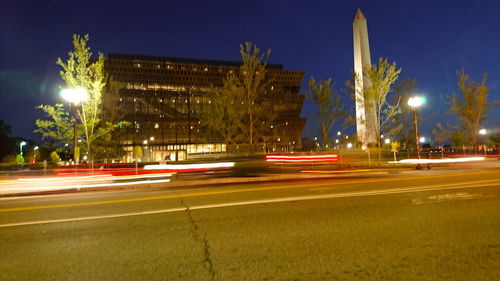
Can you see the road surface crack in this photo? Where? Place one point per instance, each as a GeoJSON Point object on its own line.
{"type": "Point", "coordinates": [196, 231]}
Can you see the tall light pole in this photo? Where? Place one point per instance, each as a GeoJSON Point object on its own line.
{"type": "Point", "coordinates": [34, 153]}
{"type": "Point", "coordinates": [482, 132]}
{"type": "Point", "coordinates": [23, 143]}
{"type": "Point", "coordinates": [414, 103]}
{"type": "Point", "coordinates": [74, 97]}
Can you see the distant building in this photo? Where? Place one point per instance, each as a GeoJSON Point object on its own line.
{"type": "Point", "coordinates": [365, 112]}
{"type": "Point", "coordinates": [163, 98]}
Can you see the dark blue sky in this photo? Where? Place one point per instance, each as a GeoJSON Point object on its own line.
{"type": "Point", "coordinates": [430, 40]}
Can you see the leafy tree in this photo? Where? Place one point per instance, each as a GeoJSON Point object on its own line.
{"type": "Point", "coordinates": [331, 109]}
{"type": "Point", "coordinates": [80, 71]}
{"type": "Point", "coordinates": [253, 81]}
{"type": "Point", "coordinates": [58, 130]}
{"type": "Point", "coordinates": [224, 113]}
{"type": "Point", "coordinates": [403, 90]}
{"type": "Point", "coordinates": [381, 77]}
{"type": "Point", "coordinates": [107, 147]}
{"type": "Point", "coordinates": [19, 158]}
{"type": "Point", "coordinates": [32, 155]}
{"type": "Point", "coordinates": [241, 107]}
{"type": "Point", "coordinates": [470, 107]}
{"type": "Point", "coordinates": [442, 136]}
{"type": "Point", "coordinates": [54, 156]}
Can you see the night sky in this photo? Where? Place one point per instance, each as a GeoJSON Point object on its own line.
{"type": "Point", "coordinates": [430, 40]}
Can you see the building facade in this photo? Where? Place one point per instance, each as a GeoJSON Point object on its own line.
{"type": "Point", "coordinates": [163, 98]}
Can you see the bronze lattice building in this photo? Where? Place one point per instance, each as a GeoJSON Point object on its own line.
{"type": "Point", "coordinates": [163, 98]}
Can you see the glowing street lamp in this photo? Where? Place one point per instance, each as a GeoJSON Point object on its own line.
{"type": "Point", "coordinates": [482, 132]}
{"type": "Point", "coordinates": [422, 139]}
{"type": "Point", "coordinates": [74, 97]}
{"type": "Point", "coordinates": [23, 143]}
{"type": "Point", "coordinates": [414, 103]}
{"type": "Point", "coordinates": [34, 153]}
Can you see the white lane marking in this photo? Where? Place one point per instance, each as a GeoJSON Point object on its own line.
{"type": "Point", "coordinates": [82, 186]}
{"type": "Point", "coordinates": [264, 201]}
{"type": "Point", "coordinates": [447, 197]}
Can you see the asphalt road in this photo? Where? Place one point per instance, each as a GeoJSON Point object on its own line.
{"type": "Point", "coordinates": [426, 225]}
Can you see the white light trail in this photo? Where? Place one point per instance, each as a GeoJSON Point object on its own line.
{"type": "Point", "coordinates": [189, 166]}
{"type": "Point", "coordinates": [437, 161]}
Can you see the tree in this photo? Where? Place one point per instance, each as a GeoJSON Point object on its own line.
{"type": "Point", "coordinates": [470, 107]}
{"type": "Point", "coordinates": [54, 157]}
{"type": "Point", "coordinates": [19, 158]}
{"type": "Point", "coordinates": [80, 71]}
{"type": "Point", "coordinates": [58, 130]}
{"type": "Point", "coordinates": [107, 146]}
{"type": "Point", "coordinates": [381, 77]}
{"type": "Point", "coordinates": [403, 90]}
{"type": "Point", "coordinates": [254, 83]}
{"type": "Point", "coordinates": [442, 136]}
{"type": "Point", "coordinates": [224, 111]}
{"type": "Point", "coordinates": [331, 110]}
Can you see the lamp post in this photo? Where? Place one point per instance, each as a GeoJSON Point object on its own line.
{"type": "Point", "coordinates": [74, 97]}
{"type": "Point", "coordinates": [482, 132]}
{"type": "Point", "coordinates": [34, 153]}
{"type": "Point", "coordinates": [23, 143]}
{"type": "Point", "coordinates": [414, 103]}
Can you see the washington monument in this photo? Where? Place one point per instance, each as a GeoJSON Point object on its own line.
{"type": "Point", "coordinates": [365, 109]}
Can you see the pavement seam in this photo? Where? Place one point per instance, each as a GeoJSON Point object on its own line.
{"type": "Point", "coordinates": [207, 262]}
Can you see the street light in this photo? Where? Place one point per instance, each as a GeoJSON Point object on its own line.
{"type": "Point", "coordinates": [23, 143]}
{"type": "Point", "coordinates": [414, 103]}
{"type": "Point", "coordinates": [34, 153]}
{"type": "Point", "coordinates": [74, 97]}
{"type": "Point", "coordinates": [483, 133]}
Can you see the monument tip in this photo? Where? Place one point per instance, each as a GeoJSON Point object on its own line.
{"type": "Point", "coordinates": [359, 15]}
